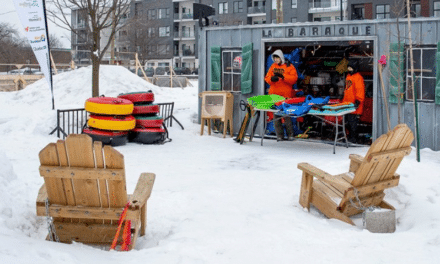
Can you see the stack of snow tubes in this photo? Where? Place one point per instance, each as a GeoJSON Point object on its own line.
{"type": "Point", "coordinates": [110, 120]}
{"type": "Point", "coordinates": [149, 125]}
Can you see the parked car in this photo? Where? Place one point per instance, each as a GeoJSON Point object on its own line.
{"type": "Point", "coordinates": [161, 71]}
{"type": "Point", "coordinates": [25, 71]}
{"type": "Point", "coordinates": [182, 71]}
{"type": "Point", "coordinates": [195, 71]}
{"type": "Point", "coordinates": [148, 71]}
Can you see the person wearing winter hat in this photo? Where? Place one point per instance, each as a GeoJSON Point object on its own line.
{"type": "Point", "coordinates": [354, 93]}
{"type": "Point", "coordinates": [281, 77]}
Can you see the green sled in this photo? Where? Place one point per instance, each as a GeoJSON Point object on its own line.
{"type": "Point", "coordinates": [264, 101]}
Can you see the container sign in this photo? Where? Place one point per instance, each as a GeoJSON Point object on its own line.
{"type": "Point", "coordinates": [318, 31]}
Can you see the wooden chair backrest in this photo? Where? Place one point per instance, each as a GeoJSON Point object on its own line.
{"type": "Point", "coordinates": [76, 173]}
{"type": "Point", "coordinates": [384, 156]}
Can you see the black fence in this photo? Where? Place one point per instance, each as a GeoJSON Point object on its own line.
{"type": "Point", "coordinates": [72, 121]}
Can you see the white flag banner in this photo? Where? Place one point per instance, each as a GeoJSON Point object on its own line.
{"type": "Point", "coordinates": [32, 15]}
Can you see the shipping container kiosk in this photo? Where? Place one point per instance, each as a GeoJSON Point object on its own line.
{"type": "Point", "coordinates": [323, 45]}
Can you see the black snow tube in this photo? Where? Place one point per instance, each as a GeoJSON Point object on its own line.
{"type": "Point", "coordinates": [147, 135]}
{"type": "Point", "coordinates": [113, 138]}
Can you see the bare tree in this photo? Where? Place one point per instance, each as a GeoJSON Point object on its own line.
{"type": "Point", "coordinates": [99, 15]}
{"type": "Point", "coordinates": [54, 41]}
{"type": "Point", "coordinates": [141, 37]}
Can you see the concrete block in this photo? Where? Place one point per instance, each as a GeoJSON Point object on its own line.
{"type": "Point", "coordinates": [380, 220]}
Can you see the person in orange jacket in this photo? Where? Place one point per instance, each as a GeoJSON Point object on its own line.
{"type": "Point", "coordinates": [281, 77]}
{"type": "Point", "coordinates": [354, 93]}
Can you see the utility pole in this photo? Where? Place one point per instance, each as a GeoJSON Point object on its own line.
{"type": "Point", "coordinates": [279, 11]}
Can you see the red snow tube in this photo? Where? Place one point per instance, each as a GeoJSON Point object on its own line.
{"type": "Point", "coordinates": [147, 135]}
{"type": "Point", "coordinates": [114, 123]}
{"type": "Point", "coordinates": [113, 138]}
{"type": "Point", "coordinates": [149, 121]}
{"type": "Point", "coordinates": [109, 106]}
{"type": "Point", "coordinates": [151, 109]}
{"type": "Point", "coordinates": [138, 97]}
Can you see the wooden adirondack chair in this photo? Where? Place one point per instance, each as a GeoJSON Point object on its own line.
{"type": "Point", "coordinates": [85, 187]}
{"type": "Point", "coordinates": [341, 196]}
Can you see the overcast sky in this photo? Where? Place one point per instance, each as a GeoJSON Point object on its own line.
{"type": "Point", "coordinates": [8, 14]}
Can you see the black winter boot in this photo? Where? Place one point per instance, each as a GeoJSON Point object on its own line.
{"type": "Point", "coordinates": [279, 130]}
{"type": "Point", "coordinates": [289, 128]}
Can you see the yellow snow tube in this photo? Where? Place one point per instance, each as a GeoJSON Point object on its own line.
{"type": "Point", "coordinates": [109, 106]}
{"type": "Point", "coordinates": [114, 123]}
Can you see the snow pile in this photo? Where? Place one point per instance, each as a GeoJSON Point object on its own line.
{"type": "Point", "coordinates": [214, 201]}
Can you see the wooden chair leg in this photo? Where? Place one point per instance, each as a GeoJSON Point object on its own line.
{"type": "Point", "coordinates": [143, 219]}
{"type": "Point", "coordinates": [306, 190]}
{"type": "Point", "coordinates": [231, 130]}
{"type": "Point", "coordinates": [202, 126]}
{"type": "Point", "coordinates": [209, 126]}
{"type": "Point", "coordinates": [386, 205]}
{"type": "Point", "coordinates": [225, 126]}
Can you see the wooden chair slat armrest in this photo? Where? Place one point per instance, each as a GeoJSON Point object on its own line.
{"type": "Point", "coordinates": [41, 198]}
{"type": "Point", "coordinates": [324, 176]}
{"type": "Point", "coordinates": [143, 190]}
{"type": "Point", "coordinates": [42, 195]}
{"type": "Point", "coordinates": [355, 162]}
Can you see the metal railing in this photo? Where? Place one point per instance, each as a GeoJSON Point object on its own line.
{"type": "Point", "coordinates": [70, 121]}
{"type": "Point", "coordinates": [73, 121]}
{"type": "Point", "coordinates": [324, 4]}
{"type": "Point", "coordinates": [179, 16]}
{"type": "Point", "coordinates": [256, 9]}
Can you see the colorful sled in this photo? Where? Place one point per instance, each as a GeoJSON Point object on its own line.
{"type": "Point", "coordinates": [113, 138]}
{"type": "Point", "coordinates": [109, 106]}
{"type": "Point", "coordinates": [138, 97]}
{"type": "Point", "coordinates": [149, 121]}
{"type": "Point", "coordinates": [146, 109]}
{"type": "Point", "coordinates": [147, 135]}
{"type": "Point", "coordinates": [113, 123]}
{"type": "Point", "coordinates": [264, 101]}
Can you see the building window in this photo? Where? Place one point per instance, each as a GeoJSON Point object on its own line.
{"type": "Point", "coordinates": [437, 9]}
{"type": "Point", "coordinates": [164, 31]}
{"type": "Point", "coordinates": [357, 12]}
{"type": "Point", "coordinates": [223, 8]}
{"type": "Point", "coordinates": [424, 73]}
{"type": "Point", "coordinates": [382, 11]}
{"type": "Point", "coordinates": [163, 49]}
{"type": "Point", "coordinates": [238, 7]}
{"type": "Point", "coordinates": [231, 69]}
{"type": "Point", "coordinates": [151, 32]}
{"type": "Point", "coordinates": [164, 13]}
{"type": "Point", "coordinates": [293, 20]}
{"type": "Point", "coordinates": [137, 9]}
{"type": "Point", "coordinates": [415, 9]}
{"type": "Point", "coordinates": [151, 14]}
{"type": "Point", "coordinates": [322, 19]}
{"type": "Point", "coordinates": [294, 4]}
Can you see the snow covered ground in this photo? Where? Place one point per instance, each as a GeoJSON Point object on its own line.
{"type": "Point", "coordinates": [214, 201]}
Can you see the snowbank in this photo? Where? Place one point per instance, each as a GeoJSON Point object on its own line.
{"type": "Point", "coordinates": [214, 201]}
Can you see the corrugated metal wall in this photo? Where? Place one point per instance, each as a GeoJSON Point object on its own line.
{"type": "Point", "coordinates": [424, 31]}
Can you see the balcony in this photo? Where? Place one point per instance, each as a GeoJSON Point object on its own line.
{"type": "Point", "coordinates": [185, 53]}
{"type": "Point", "coordinates": [81, 24]}
{"type": "Point", "coordinates": [326, 6]}
{"type": "Point", "coordinates": [258, 8]}
{"type": "Point", "coordinates": [183, 16]}
{"type": "Point", "coordinates": [185, 34]}
{"type": "Point", "coordinates": [188, 53]}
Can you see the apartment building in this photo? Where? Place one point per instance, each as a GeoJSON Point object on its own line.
{"type": "Point", "coordinates": [164, 32]}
